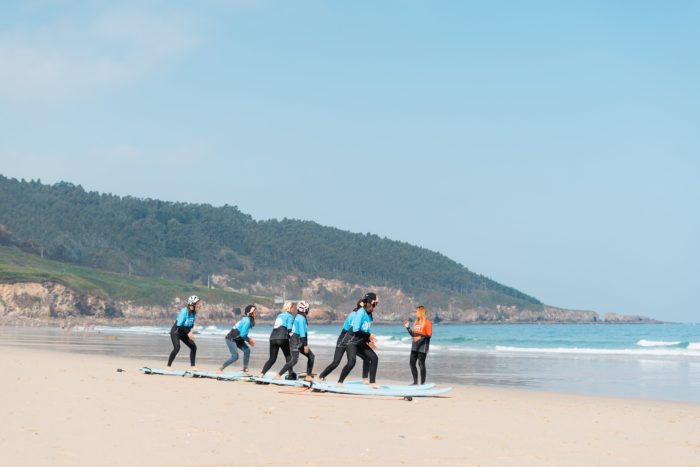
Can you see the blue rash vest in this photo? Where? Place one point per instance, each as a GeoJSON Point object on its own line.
{"type": "Point", "coordinates": [347, 326]}
{"type": "Point", "coordinates": [240, 330]}
{"type": "Point", "coordinates": [300, 328]}
{"type": "Point", "coordinates": [243, 327]}
{"type": "Point", "coordinates": [185, 319]}
{"type": "Point", "coordinates": [283, 326]}
{"type": "Point", "coordinates": [362, 322]}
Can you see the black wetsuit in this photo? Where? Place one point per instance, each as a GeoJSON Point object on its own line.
{"type": "Point", "coordinates": [419, 351]}
{"type": "Point", "coordinates": [340, 349]}
{"type": "Point", "coordinates": [275, 346]}
{"type": "Point", "coordinates": [420, 358]}
{"type": "Point", "coordinates": [296, 345]}
{"type": "Point", "coordinates": [180, 333]}
{"type": "Point", "coordinates": [358, 346]}
{"type": "Point", "coordinates": [279, 339]}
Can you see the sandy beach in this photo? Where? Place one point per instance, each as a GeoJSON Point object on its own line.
{"type": "Point", "coordinates": [71, 409]}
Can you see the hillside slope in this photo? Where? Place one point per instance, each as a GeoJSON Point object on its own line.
{"type": "Point", "coordinates": [201, 244]}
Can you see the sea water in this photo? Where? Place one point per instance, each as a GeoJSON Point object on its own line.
{"type": "Point", "coordinates": [660, 361]}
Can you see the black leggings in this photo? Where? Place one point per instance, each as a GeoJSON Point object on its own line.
{"type": "Point", "coordinates": [337, 358]}
{"type": "Point", "coordinates": [369, 364]}
{"type": "Point", "coordinates": [176, 336]}
{"type": "Point", "coordinates": [275, 346]}
{"type": "Point", "coordinates": [420, 358]}
{"type": "Point", "coordinates": [295, 358]}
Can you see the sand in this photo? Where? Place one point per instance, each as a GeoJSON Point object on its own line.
{"type": "Point", "coordinates": [70, 409]}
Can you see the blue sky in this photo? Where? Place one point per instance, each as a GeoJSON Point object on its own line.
{"type": "Point", "coordinates": [552, 146]}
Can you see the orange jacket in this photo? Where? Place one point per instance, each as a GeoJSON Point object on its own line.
{"type": "Point", "coordinates": [424, 329]}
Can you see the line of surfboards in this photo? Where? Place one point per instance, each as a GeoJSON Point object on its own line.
{"type": "Point", "coordinates": [350, 387]}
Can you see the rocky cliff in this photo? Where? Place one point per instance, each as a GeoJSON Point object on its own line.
{"type": "Point", "coordinates": [50, 301]}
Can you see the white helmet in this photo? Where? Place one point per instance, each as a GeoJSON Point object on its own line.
{"type": "Point", "coordinates": [302, 307]}
{"type": "Point", "coordinates": [192, 300]}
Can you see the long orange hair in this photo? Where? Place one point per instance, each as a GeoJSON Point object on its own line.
{"type": "Point", "coordinates": [421, 314]}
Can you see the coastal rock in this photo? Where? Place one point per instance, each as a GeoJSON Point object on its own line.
{"type": "Point", "coordinates": [49, 301]}
{"type": "Point", "coordinates": [620, 318]}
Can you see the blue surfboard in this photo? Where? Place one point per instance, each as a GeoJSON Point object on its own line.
{"type": "Point", "coordinates": [158, 371]}
{"type": "Point", "coordinates": [228, 376]}
{"type": "Point", "coordinates": [396, 387]}
{"type": "Point", "coordinates": [368, 391]}
{"type": "Point", "coordinates": [281, 381]}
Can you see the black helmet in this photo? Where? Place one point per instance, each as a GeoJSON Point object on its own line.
{"type": "Point", "coordinates": [371, 298]}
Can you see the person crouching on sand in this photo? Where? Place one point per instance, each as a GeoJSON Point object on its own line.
{"type": "Point", "coordinates": [238, 338]}
{"type": "Point", "coordinates": [299, 342]}
{"type": "Point", "coordinates": [279, 339]}
{"type": "Point", "coordinates": [182, 330]}
{"type": "Point", "coordinates": [362, 342]}
{"type": "Point", "coordinates": [421, 333]}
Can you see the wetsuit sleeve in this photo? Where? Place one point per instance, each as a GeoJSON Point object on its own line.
{"type": "Point", "coordinates": [408, 328]}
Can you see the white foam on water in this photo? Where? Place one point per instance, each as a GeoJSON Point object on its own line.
{"type": "Point", "coordinates": [157, 330]}
{"type": "Point", "coordinates": [211, 331]}
{"type": "Point", "coordinates": [402, 343]}
{"type": "Point", "coordinates": [664, 352]}
{"type": "Point", "coordinates": [648, 343]}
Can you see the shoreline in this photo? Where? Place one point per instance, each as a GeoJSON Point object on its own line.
{"type": "Point", "coordinates": [76, 409]}
{"type": "Point", "coordinates": [646, 376]}
{"type": "Point", "coordinates": [181, 363]}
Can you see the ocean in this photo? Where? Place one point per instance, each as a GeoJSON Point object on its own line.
{"type": "Point", "coordinates": [660, 361]}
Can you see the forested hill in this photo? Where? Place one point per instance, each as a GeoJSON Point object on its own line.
{"type": "Point", "coordinates": [191, 242]}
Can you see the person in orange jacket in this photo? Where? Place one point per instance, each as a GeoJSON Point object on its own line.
{"type": "Point", "coordinates": [421, 333]}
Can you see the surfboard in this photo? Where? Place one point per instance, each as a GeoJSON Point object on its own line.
{"type": "Point", "coordinates": [228, 376]}
{"type": "Point", "coordinates": [367, 391]}
{"type": "Point", "coordinates": [396, 387]}
{"type": "Point", "coordinates": [352, 387]}
{"type": "Point", "coordinates": [281, 381]}
{"type": "Point", "coordinates": [158, 371]}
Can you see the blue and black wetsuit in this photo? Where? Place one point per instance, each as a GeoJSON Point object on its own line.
{"type": "Point", "coordinates": [179, 332]}
{"type": "Point", "coordinates": [298, 340]}
{"type": "Point", "coordinates": [237, 338]}
{"type": "Point", "coordinates": [279, 339]}
{"type": "Point", "coordinates": [340, 345]}
{"type": "Point", "coordinates": [358, 345]}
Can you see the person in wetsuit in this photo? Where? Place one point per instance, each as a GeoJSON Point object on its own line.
{"type": "Point", "coordinates": [362, 342]}
{"type": "Point", "coordinates": [279, 339]}
{"type": "Point", "coordinates": [341, 344]}
{"type": "Point", "coordinates": [238, 338]}
{"type": "Point", "coordinates": [182, 330]}
{"type": "Point", "coordinates": [421, 333]}
{"type": "Point", "coordinates": [299, 343]}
